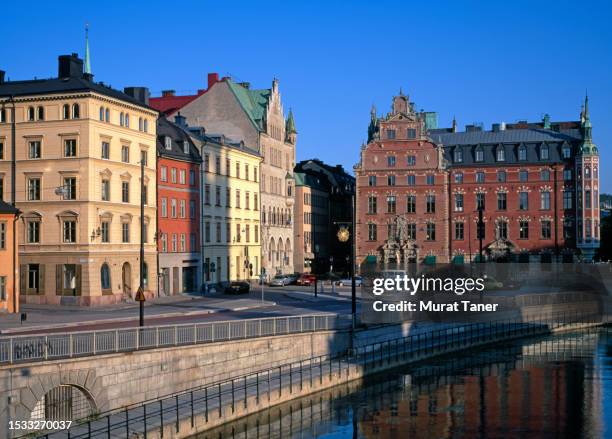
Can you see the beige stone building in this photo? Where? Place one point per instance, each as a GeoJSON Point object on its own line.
{"type": "Point", "coordinates": [256, 117]}
{"type": "Point", "coordinates": [230, 231]}
{"type": "Point", "coordinates": [78, 145]}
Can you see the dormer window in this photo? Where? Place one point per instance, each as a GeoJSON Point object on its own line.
{"type": "Point", "coordinates": [522, 153]}
{"type": "Point", "coordinates": [479, 154]}
{"type": "Point", "coordinates": [566, 152]}
{"type": "Point", "coordinates": [458, 155]}
{"type": "Point", "coordinates": [186, 148]}
{"type": "Point", "coordinates": [544, 153]}
{"type": "Point", "coordinates": [501, 154]}
{"type": "Point", "coordinates": [168, 142]}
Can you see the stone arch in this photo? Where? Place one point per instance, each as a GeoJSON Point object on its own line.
{"type": "Point", "coordinates": [271, 249]}
{"type": "Point", "coordinates": [279, 250]}
{"type": "Point", "coordinates": [287, 251]}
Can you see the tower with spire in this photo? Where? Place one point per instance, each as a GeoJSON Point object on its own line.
{"type": "Point", "coordinates": [587, 188]}
{"type": "Point", "coordinates": [87, 58]}
{"type": "Point", "coordinates": [290, 131]}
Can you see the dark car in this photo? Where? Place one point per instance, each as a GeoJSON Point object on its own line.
{"type": "Point", "coordinates": [235, 287]}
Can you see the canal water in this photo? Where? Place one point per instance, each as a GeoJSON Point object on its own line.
{"type": "Point", "coordinates": [549, 387]}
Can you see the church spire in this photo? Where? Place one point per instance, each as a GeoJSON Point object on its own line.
{"type": "Point", "coordinates": [87, 59]}
{"type": "Point", "coordinates": [290, 131]}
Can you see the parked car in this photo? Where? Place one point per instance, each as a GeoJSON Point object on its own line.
{"type": "Point", "coordinates": [234, 287]}
{"type": "Point", "coordinates": [292, 278]}
{"type": "Point", "coordinates": [306, 279]}
{"type": "Point", "coordinates": [347, 281]}
{"type": "Point", "coordinates": [280, 280]}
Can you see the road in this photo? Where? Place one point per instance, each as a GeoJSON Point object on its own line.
{"type": "Point", "coordinates": [279, 301]}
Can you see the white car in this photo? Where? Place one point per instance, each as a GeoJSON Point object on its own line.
{"type": "Point", "coordinates": [280, 281]}
{"type": "Point", "coordinates": [347, 282]}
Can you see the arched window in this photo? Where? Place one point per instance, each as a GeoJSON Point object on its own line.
{"type": "Point", "coordinates": [2, 115]}
{"type": "Point", "coordinates": [594, 171]}
{"type": "Point", "coordinates": [271, 250]}
{"type": "Point", "coordinates": [121, 120]}
{"type": "Point", "coordinates": [30, 113]}
{"type": "Point", "coordinates": [127, 120]}
{"type": "Point", "coordinates": [587, 172]}
{"type": "Point", "coordinates": [140, 124]}
{"type": "Point", "coordinates": [41, 113]}
{"type": "Point", "coordinates": [66, 111]}
{"type": "Point", "coordinates": [76, 111]}
{"type": "Point", "coordinates": [101, 114]}
{"type": "Point", "coordinates": [105, 278]}
{"type": "Point", "coordinates": [479, 154]}
{"type": "Point", "coordinates": [501, 154]}
{"type": "Point", "coordinates": [145, 275]}
{"type": "Point", "coordinates": [146, 125]}
{"type": "Point", "coordinates": [107, 115]}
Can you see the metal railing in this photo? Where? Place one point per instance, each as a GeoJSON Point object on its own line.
{"type": "Point", "coordinates": [24, 348]}
{"type": "Point", "coordinates": [154, 416]}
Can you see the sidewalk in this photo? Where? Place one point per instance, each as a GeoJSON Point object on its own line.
{"type": "Point", "coordinates": [40, 317]}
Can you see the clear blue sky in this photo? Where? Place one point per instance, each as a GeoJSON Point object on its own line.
{"type": "Point", "coordinates": [481, 61]}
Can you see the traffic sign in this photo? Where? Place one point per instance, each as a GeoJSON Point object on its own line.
{"type": "Point", "coordinates": [140, 297]}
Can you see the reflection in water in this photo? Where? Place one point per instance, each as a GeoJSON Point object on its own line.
{"type": "Point", "coordinates": [553, 387]}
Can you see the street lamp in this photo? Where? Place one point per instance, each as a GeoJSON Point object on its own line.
{"type": "Point", "coordinates": [343, 236]}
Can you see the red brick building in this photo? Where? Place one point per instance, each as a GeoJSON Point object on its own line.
{"type": "Point", "coordinates": [419, 188]}
{"type": "Point", "coordinates": [178, 212]}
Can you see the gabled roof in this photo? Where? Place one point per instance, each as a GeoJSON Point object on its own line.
{"type": "Point", "coordinates": [178, 135]}
{"type": "Point", "coordinates": [253, 102]}
{"type": "Point", "coordinates": [171, 104]}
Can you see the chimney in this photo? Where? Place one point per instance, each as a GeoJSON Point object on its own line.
{"type": "Point", "coordinates": [167, 93]}
{"type": "Point", "coordinates": [212, 79]}
{"type": "Point", "coordinates": [70, 66]}
{"type": "Point", "coordinates": [180, 120]}
{"type": "Point", "coordinates": [139, 93]}
{"type": "Point", "coordinates": [246, 85]}
{"type": "Point", "coordinates": [495, 128]}
{"type": "Point", "coordinates": [2, 73]}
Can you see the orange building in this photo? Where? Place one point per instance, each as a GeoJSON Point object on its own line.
{"type": "Point", "coordinates": [9, 292]}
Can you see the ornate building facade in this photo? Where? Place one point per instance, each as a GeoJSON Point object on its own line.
{"type": "Point", "coordinates": [420, 188]}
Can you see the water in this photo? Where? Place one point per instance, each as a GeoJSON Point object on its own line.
{"type": "Point", "coordinates": [552, 387]}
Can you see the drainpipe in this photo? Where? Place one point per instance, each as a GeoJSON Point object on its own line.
{"type": "Point", "coordinates": [15, 296]}
{"type": "Point", "coordinates": [14, 199]}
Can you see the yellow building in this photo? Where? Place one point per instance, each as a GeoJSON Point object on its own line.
{"type": "Point", "coordinates": [230, 209]}
{"type": "Point", "coordinates": [78, 146]}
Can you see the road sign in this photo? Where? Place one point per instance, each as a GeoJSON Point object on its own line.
{"type": "Point", "coordinates": [140, 297]}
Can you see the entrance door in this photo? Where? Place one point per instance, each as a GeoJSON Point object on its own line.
{"type": "Point", "coordinates": [166, 281]}
{"type": "Point", "coordinates": [189, 281]}
{"type": "Point", "coordinates": [126, 276]}
{"type": "Point", "coordinates": [175, 280]}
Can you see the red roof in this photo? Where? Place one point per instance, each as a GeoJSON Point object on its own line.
{"type": "Point", "coordinates": [171, 104]}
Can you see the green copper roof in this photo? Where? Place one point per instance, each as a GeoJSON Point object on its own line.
{"type": "Point", "coordinates": [253, 102]}
{"type": "Point", "coordinates": [587, 147]}
{"type": "Point", "coordinates": [290, 128]}
{"type": "Point", "coordinates": [87, 59]}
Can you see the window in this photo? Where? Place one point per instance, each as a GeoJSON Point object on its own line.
{"type": "Point", "coordinates": [544, 152]}
{"type": "Point", "coordinates": [390, 134]}
{"type": "Point", "coordinates": [192, 177]}
{"type": "Point", "coordinates": [105, 231]}
{"type": "Point", "coordinates": [371, 204]}
{"type": "Point", "coordinates": [391, 204]}
{"type": "Point", "coordinates": [458, 202]}
{"type": "Point", "coordinates": [458, 177]}
{"type": "Point", "coordinates": [2, 235]}
{"type": "Point", "coordinates": [33, 277]}
{"type": "Point", "coordinates": [192, 209]}
{"type": "Point", "coordinates": [105, 280]}
{"type": "Point", "coordinates": [500, 154]}
{"type": "Point", "coordinates": [567, 174]}
{"type": "Point", "coordinates": [105, 190]}
{"type": "Point", "coordinates": [41, 113]}
{"type": "Point", "coordinates": [430, 179]}
{"type": "Point", "coordinates": [480, 201]}
{"type": "Point", "coordinates": [431, 232]}
{"type": "Point", "coordinates": [430, 203]}
{"type": "Point", "coordinates": [217, 195]}
{"type": "Point", "coordinates": [372, 232]}
{"type": "Point", "coordinates": [501, 201]}
{"type": "Point", "coordinates": [459, 230]}
{"type": "Point", "coordinates": [31, 114]}
{"type": "Point", "coordinates": [163, 173]}
{"type": "Point", "coordinates": [125, 154]}
{"type": "Point", "coordinates": [70, 188]}
{"type": "Point", "coordinates": [168, 142]}
{"type": "Point", "coordinates": [70, 148]}
{"type": "Point", "coordinates": [125, 232]}
{"type": "Point", "coordinates": [411, 133]}
{"type": "Point", "coordinates": [127, 120]}
{"type": "Point", "coordinates": [411, 231]}
{"type": "Point", "coordinates": [183, 242]}
{"type": "Point", "coordinates": [173, 175]}
{"type": "Point", "coordinates": [145, 266]}
{"type": "Point", "coordinates": [69, 277]}
{"type": "Point", "coordinates": [66, 111]}
{"type": "Point", "coordinates": [143, 158]}
{"type": "Point", "coordinates": [218, 232]}
{"type": "Point", "coordinates": [390, 180]}
{"type": "Point", "coordinates": [33, 232]}
{"type": "Point", "coordinates": [523, 175]}
{"type": "Point", "coordinates": [238, 198]}
{"type": "Point", "coordinates": [121, 120]}
{"type": "Point", "coordinates": [2, 287]}
{"type": "Point", "coordinates": [182, 209]}
{"type": "Point", "coordinates": [164, 242]}
{"type": "Point", "coordinates": [587, 199]}
{"type": "Point", "coordinates": [1, 188]}
{"type": "Point", "coordinates": [34, 149]}
{"type": "Point", "coordinates": [105, 150]}
{"type": "Point", "coordinates": [228, 197]}
{"type": "Point", "coordinates": [458, 158]}
{"type": "Point", "coordinates": [411, 180]}
{"type": "Point", "coordinates": [247, 200]}
{"type": "Point", "coordinates": [545, 175]}
{"type": "Point", "coordinates": [411, 160]}
{"type": "Point", "coordinates": [185, 147]}
{"type": "Point", "coordinates": [372, 180]}
{"type": "Point", "coordinates": [255, 202]}
{"type": "Point", "coordinates": [522, 153]}
{"type": "Point", "coordinates": [411, 204]}
{"type": "Point", "coordinates": [501, 176]}
{"type": "Point", "coordinates": [479, 154]}
{"type": "Point", "coordinates": [523, 229]}
{"type": "Point", "coordinates": [101, 114]}
{"type": "Point", "coordinates": [567, 200]}
{"type": "Point", "coordinates": [76, 112]}
{"type": "Point", "coordinates": [546, 229]}
{"type": "Point", "coordinates": [1, 150]}
{"type": "Point", "coordinates": [228, 232]}
{"type": "Point", "coordinates": [34, 189]}
{"type": "Point", "coordinates": [237, 169]}
{"type": "Point", "coordinates": [69, 231]}
{"type": "Point", "coordinates": [566, 152]}
{"type": "Point", "coordinates": [523, 200]}
{"type": "Point", "coordinates": [480, 177]}
{"type": "Point", "coordinates": [182, 176]}
{"type": "Point", "coordinates": [125, 191]}
{"type": "Point", "coordinates": [391, 161]}
{"type": "Point", "coordinates": [164, 207]}
{"type": "Point", "coordinates": [238, 234]}
{"type": "Point", "coordinates": [502, 230]}
{"type": "Point", "coordinates": [173, 207]}
{"type": "Point", "coordinates": [545, 200]}
{"type": "Point", "coordinates": [2, 115]}
{"type": "Point", "coordinates": [192, 242]}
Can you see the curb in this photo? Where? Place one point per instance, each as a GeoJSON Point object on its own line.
{"type": "Point", "coordinates": [129, 319]}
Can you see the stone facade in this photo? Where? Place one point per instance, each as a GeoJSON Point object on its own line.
{"type": "Point", "coordinates": [78, 148]}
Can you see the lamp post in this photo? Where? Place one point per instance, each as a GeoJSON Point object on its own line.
{"type": "Point", "coordinates": [480, 233]}
{"type": "Point", "coordinates": [343, 236]}
{"type": "Point", "coordinates": [140, 295]}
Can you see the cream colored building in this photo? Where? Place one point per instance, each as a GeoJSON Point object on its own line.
{"type": "Point", "coordinates": [78, 147]}
{"type": "Point", "coordinates": [230, 230]}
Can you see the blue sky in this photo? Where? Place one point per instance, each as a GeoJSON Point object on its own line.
{"type": "Point", "coordinates": [481, 61]}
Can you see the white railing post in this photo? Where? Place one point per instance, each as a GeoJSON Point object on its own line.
{"type": "Point", "coordinates": [116, 340]}
{"type": "Point", "coordinates": [274, 327]}
{"type": "Point", "coordinates": [195, 333]}
{"type": "Point", "coordinates": [46, 347]}
{"type": "Point", "coordinates": [157, 336]}
{"type": "Point", "coordinates": [94, 343]}
{"type": "Point", "coordinates": [175, 336]}
{"type": "Point", "coordinates": [137, 338]}
{"type": "Point", "coordinates": [245, 329]}
{"type": "Point", "coordinates": [70, 347]}
{"type": "Point", "coordinates": [11, 350]}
